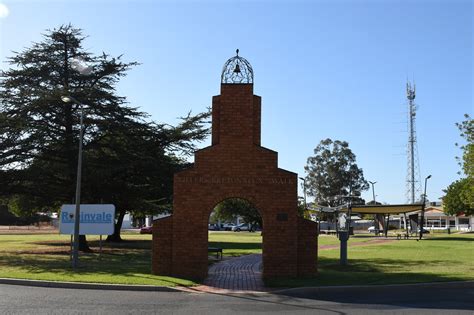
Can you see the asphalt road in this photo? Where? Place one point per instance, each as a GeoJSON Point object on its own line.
{"type": "Point", "coordinates": [412, 300]}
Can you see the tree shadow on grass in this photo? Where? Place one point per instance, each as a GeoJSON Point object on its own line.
{"type": "Point", "coordinates": [136, 264]}
{"type": "Point", "coordinates": [132, 244]}
{"type": "Point", "coordinates": [64, 248]}
{"type": "Point", "coordinates": [115, 264]}
{"type": "Point", "coordinates": [455, 238]}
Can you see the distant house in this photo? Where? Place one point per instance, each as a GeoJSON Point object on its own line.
{"type": "Point", "coordinates": [436, 219]}
{"type": "Point", "coordinates": [129, 222]}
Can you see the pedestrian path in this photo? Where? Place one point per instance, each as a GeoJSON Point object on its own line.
{"type": "Point", "coordinates": [240, 274]}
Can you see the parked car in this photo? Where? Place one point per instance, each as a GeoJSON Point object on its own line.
{"type": "Point", "coordinates": [146, 230]}
{"type": "Point", "coordinates": [243, 227]}
{"type": "Point", "coordinates": [371, 229]}
{"type": "Point", "coordinates": [228, 226]}
{"type": "Point", "coordinates": [213, 227]}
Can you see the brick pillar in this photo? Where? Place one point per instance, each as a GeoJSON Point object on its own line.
{"type": "Point", "coordinates": [236, 115]}
{"type": "Point", "coordinates": [307, 247]}
{"type": "Point", "coordinates": [162, 246]}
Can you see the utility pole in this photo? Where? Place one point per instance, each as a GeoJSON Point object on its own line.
{"type": "Point", "coordinates": [304, 192]}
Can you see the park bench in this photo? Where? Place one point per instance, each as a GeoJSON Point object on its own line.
{"type": "Point", "coordinates": [216, 250]}
{"type": "Point", "coordinates": [328, 232]}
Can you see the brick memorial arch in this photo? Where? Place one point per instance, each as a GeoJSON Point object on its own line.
{"type": "Point", "coordinates": [235, 166]}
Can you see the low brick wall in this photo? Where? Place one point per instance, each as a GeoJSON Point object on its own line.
{"type": "Point", "coordinates": [162, 246]}
{"type": "Point", "coordinates": [307, 247]}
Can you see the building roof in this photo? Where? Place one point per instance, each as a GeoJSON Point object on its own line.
{"type": "Point", "coordinates": [386, 209]}
{"type": "Point", "coordinates": [374, 209]}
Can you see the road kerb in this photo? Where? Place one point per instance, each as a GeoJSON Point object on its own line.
{"type": "Point", "coordinates": [359, 288]}
{"type": "Point", "coordinates": [84, 285]}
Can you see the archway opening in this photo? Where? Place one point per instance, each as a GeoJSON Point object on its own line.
{"type": "Point", "coordinates": [235, 229]}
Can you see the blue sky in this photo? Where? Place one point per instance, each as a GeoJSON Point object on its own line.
{"type": "Point", "coordinates": [324, 69]}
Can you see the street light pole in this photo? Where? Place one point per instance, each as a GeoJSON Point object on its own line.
{"type": "Point", "coordinates": [423, 208]}
{"type": "Point", "coordinates": [304, 192]}
{"type": "Point", "coordinates": [376, 218]}
{"type": "Point", "coordinates": [75, 252]}
{"type": "Point", "coordinates": [373, 190]}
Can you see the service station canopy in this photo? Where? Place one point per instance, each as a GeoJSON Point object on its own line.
{"type": "Point", "coordinates": [376, 209]}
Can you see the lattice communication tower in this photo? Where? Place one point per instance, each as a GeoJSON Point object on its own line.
{"type": "Point", "coordinates": [413, 182]}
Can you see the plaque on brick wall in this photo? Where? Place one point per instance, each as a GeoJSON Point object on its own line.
{"type": "Point", "coordinates": [282, 216]}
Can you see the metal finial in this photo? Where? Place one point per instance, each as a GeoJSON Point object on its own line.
{"type": "Point", "coordinates": [237, 51]}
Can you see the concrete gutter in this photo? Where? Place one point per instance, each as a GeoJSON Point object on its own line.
{"type": "Point", "coordinates": [85, 285]}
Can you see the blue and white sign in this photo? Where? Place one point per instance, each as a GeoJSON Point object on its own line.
{"type": "Point", "coordinates": [94, 219]}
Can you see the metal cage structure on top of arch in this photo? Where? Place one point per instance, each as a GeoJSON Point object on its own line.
{"type": "Point", "coordinates": [237, 70]}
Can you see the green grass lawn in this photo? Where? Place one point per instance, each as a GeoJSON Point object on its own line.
{"type": "Point", "coordinates": [236, 243]}
{"type": "Point", "coordinates": [46, 257]}
{"type": "Point", "coordinates": [243, 243]}
{"type": "Point", "coordinates": [436, 258]}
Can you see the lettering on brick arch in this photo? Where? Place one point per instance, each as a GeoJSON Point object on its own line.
{"type": "Point", "coordinates": [218, 180]}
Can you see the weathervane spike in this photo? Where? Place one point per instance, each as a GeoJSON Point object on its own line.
{"type": "Point", "coordinates": [237, 51]}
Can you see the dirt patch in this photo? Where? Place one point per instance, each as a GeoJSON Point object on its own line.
{"type": "Point", "coordinates": [65, 250]}
{"type": "Point", "coordinates": [371, 242]}
{"type": "Point", "coordinates": [26, 230]}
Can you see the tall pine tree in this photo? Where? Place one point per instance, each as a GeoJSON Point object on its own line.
{"type": "Point", "coordinates": [128, 160]}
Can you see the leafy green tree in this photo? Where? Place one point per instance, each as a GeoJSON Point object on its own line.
{"type": "Point", "coordinates": [459, 196]}
{"type": "Point", "coordinates": [230, 209]}
{"type": "Point", "coordinates": [456, 196]}
{"type": "Point", "coordinates": [138, 177]}
{"type": "Point", "coordinates": [128, 160]}
{"type": "Point", "coordinates": [466, 128]}
{"type": "Point", "coordinates": [374, 203]}
{"type": "Point", "coordinates": [302, 208]}
{"type": "Point", "coordinates": [331, 173]}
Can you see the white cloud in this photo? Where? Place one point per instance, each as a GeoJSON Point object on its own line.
{"type": "Point", "coordinates": [4, 11]}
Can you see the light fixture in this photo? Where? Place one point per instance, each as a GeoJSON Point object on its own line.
{"type": "Point", "coordinates": [66, 99]}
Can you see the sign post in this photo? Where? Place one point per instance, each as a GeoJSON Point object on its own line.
{"type": "Point", "coordinates": [345, 229]}
{"type": "Point", "coordinates": [343, 237]}
{"type": "Point", "coordinates": [94, 219]}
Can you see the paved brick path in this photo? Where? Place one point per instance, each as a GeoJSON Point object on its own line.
{"type": "Point", "coordinates": [240, 274]}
